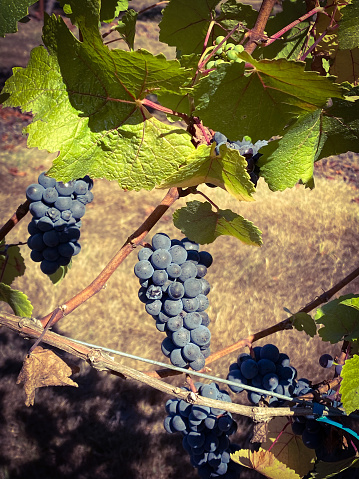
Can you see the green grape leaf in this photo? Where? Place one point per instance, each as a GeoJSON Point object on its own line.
{"type": "Point", "coordinates": [11, 263]}
{"type": "Point", "coordinates": [201, 224]}
{"type": "Point", "coordinates": [232, 14]}
{"type": "Point", "coordinates": [340, 321]}
{"type": "Point", "coordinates": [265, 463]}
{"type": "Point", "coordinates": [348, 34]}
{"type": "Point", "coordinates": [304, 322]}
{"type": "Point", "coordinates": [12, 11]}
{"type": "Point", "coordinates": [325, 470]}
{"type": "Point", "coordinates": [344, 63]}
{"type": "Point", "coordinates": [17, 300]}
{"type": "Point", "coordinates": [226, 170]}
{"type": "Point", "coordinates": [283, 90]}
{"type": "Point", "coordinates": [184, 26]}
{"type": "Point", "coordinates": [91, 111]}
{"type": "Point", "coordinates": [341, 125]}
{"type": "Point", "coordinates": [127, 27]}
{"type": "Point", "coordinates": [60, 274]}
{"type": "Point", "coordinates": [177, 101]}
{"type": "Point", "coordinates": [287, 447]}
{"type": "Point", "coordinates": [110, 9]}
{"type": "Point", "coordinates": [349, 387]}
{"type": "Point", "coordinates": [291, 159]}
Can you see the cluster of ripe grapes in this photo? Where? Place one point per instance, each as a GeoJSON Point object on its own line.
{"type": "Point", "coordinates": [246, 149]}
{"type": "Point", "coordinates": [57, 209]}
{"type": "Point", "coordinates": [205, 432]}
{"type": "Point", "coordinates": [174, 291]}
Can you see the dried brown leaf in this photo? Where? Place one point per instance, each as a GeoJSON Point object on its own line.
{"type": "Point", "coordinates": [43, 368]}
{"type": "Point", "coordinates": [265, 463]}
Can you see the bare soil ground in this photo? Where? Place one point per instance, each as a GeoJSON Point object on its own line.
{"type": "Point", "coordinates": [109, 428]}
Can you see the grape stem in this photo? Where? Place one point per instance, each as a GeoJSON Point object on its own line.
{"type": "Point", "coordinates": [301, 19]}
{"type": "Point", "coordinates": [134, 240]}
{"type": "Point", "coordinates": [16, 217]}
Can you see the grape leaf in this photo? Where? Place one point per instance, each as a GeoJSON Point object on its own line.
{"type": "Point", "coordinates": [340, 126]}
{"type": "Point", "coordinates": [287, 447]}
{"type": "Point", "coordinates": [344, 63]}
{"type": "Point", "coordinates": [232, 14]}
{"type": "Point", "coordinates": [177, 101]}
{"type": "Point", "coordinates": [11, 11]}
{"type": "Point", "coordinates": [110, 9]}
{"type": "Point", "coordinates": [340, 321]}
{"type": "Point", "coordinates": [291, 159]}
{"type": "Point", "coordinates": [227, 170]}
{"type": "Point", "coordinates": [349, 387]}
{"type": "Point", "coordinates": [11, 263]}
{"type": "Point", "coordinates": [265, 463]}
{"type": "Point", "coordinates": [184, 24]}
{"type": "Point", "coordinates": [17, 300]}
{"type": "Point", "coordinates": [201, 224]}
{"type": "Point", "coordinates": [348, 34]}
{"type": "Point", "coordinates": [324, 470]}
{"type": "Point", "coordinates": [60, 274]}
{"type": "Point", "coordinates": [43, 368]}
{"type": "Point", "coordinates": [90, 110]}
{"type": "Point", "coordinates": [127, 27]}
{"type": "Point", "coordinates": [283, 90]}
{"type": "Point", "coordinates": [304, 322]}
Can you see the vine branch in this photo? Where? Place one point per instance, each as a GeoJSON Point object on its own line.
{"type": "Point", "coordinates": [31, 328]}
{"type": "Point", "coordinates": [16, 217]}
{"type": "Point", "coordinates": [256, 35]}
{"type": "Point", "coordinates": [134, 240]}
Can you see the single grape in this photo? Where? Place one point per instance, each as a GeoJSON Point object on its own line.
{"type": "Point", "coordinates": [63, 203]}
{"type": "Point", "coordinates": [143, 269]}
{"type": "Point", "coordinates": [46, 181]}
{"type": "Point", "coordinates": [200, 335]}
{"type": "Point", "coordinates": [34, 192]}
{"type": "Point", "coordinates": [326, 361]}
{"type": "Point", "coordinates": [144, 254]}
{"type": "Point", "coordinates": [160, 259]}
{"type": "Point", "coordinates": [161, 241]}
{"type": "Point", "coordinates": [50, 195]}
{"type": "Point", "coordinates": [81, 187]}
{"type": "Point", "coordinates": [65, 189]}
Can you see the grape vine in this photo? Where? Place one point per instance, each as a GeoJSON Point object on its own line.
{"type": "Point", "coordinates": [282, 84]}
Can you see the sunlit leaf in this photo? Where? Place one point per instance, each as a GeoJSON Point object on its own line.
{"type": "Point", "coordinates": [17, 300]}
{"type": "Point", "coordinates": [349, 387]}
{"type": "Point", "coordinates": [339, 321]}
{"type": "Point", "coordinates": [11, 11]}
{"type": "Point", "coordinates": [200, 223]}
{"type": "Point", "coordinates": [227, 170]}
{"type": "Point", "coordinates": [265, 463]}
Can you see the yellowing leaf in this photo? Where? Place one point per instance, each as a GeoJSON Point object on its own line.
{"type": "Point", "coordinates": [43, 368]}
{"type": "Point", "coordinates": [227, 170]}
{"type": "Point", "coordinates": [289, 448]}
{"type": "Point", "coordinates": [265, 463]}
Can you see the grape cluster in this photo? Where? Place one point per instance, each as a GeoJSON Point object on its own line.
{"type": "Point", "coordinates": [327, 441]}
{"type": "Point", "coordinates": [269, 370]}
{"type": "Point", "coordinates": [246, 149]}
{"type": "Point", "coordinates": [174, 291]}
{"type": "Point", "coordinates": [57, 209]}
{"type": "Point", "coordinates": [227, 52]}
{"type": "Point", "coordinates": [205, 432]}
